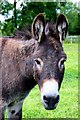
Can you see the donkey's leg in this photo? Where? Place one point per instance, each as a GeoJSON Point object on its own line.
{"type": "Point", "coordinates": [15, 112]}
{"type": "Point", "coordinates": [15, 116]}
{"type": "Point", "coordinates": [1, 114]}
{"type": "Point", "coordinates": [2, 110]}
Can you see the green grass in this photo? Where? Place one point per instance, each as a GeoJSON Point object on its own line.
{"type": "Point", "coordinates": [68, 105]}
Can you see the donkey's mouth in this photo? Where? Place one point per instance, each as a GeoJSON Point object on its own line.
{"type": "Point", "coordinates": [50, 108]}
{"type": "Point", "coordinates": [50, 103]}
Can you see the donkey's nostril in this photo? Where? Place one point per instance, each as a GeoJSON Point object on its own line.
{"type": "Point", "coordinates": [44, 97]}
{"type": "Point", "coordinates": [57, 98]}
{"type": "Point", "coordinates": [48, 99]}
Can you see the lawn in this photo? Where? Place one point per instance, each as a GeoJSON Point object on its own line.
{"type": "Point", "coordinates": [68, 105]}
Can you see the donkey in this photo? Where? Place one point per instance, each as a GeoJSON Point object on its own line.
{"type": "Point", "coordinates": [25, 63]}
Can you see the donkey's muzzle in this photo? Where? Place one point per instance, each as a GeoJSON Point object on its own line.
{"type": "Point", "coordinates": [50, 103]}
{"type": "Point", "coordinates": [50, 94]}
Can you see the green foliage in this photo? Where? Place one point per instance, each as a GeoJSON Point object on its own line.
{"type": "Point", "coordinates": [6, 7]}
{"type": "Point", "coordinates": [68, 106]}
{"type": "Point", "coordinates": [7, 27]}
{"type": "Point", "coordinates": [0, 33]}
{"type": "Point", "coordinates": [28, 10]}
{"type": "Point", "coordinates": [71, 11]}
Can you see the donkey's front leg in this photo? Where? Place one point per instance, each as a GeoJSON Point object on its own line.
{"type": "Point", "coordinates": [2, 110]}
{"type": "Point", "coordinates": [1, 114]}
{"type": "Point", "coordinates": [15, 112]}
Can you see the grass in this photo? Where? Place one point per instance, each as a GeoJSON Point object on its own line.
{"type": "Point", "coordinates": [68, 105]}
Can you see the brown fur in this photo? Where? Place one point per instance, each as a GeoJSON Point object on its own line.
{"type": "Point", "coordinates": [13, 63]}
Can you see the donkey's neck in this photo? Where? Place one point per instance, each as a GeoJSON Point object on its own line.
{"type": "Point", "coordinates": [26, 56]}
{"type": "Point", "coordinates": [19, 71]}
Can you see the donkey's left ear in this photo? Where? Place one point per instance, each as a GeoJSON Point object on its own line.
{"type": "Point", "coordinates": [38, 27]}
{"type": "Point", "coordinates": [62, 27]}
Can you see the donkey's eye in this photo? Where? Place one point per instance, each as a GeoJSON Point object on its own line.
{"type": "Point", "coordinates": [39, 64]}
{"type": "Point", "coordinates": [38, 61]}
{"type": "Point", "coordinates": [61, 64]}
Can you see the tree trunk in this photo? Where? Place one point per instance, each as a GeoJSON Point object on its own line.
{"type": "Point", "coordinates": [15, 16]}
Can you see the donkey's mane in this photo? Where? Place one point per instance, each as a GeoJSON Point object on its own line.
{"type": "Point", "coordinates": [25, 34]}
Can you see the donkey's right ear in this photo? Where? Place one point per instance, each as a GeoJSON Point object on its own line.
{"type": "Point", "coordinates": [38, 27]}
{"type": "Point", "coordinates": [62, 27]}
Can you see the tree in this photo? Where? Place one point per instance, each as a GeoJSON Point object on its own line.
{"type": "Point", "coordinates": [15, 15]}
{"type": "Point", "coordinates": [6, 7]}
{"type": "Point", "coordinates": [28, 10]}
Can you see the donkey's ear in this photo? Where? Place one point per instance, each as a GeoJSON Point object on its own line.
{"type": "Point", "coordinates": [38, 27]}
{"type": "Point", "coordinates": [62, 27]}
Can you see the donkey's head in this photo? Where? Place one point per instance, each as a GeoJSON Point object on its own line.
{"type": "Point", "coordinates": [49, 58]}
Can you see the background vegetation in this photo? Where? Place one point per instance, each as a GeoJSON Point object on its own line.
{"type": "Point", "coordinates": [18, 18]}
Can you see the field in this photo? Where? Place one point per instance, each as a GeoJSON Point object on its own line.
{"type": "Point", "coordinates": [68, 105]}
